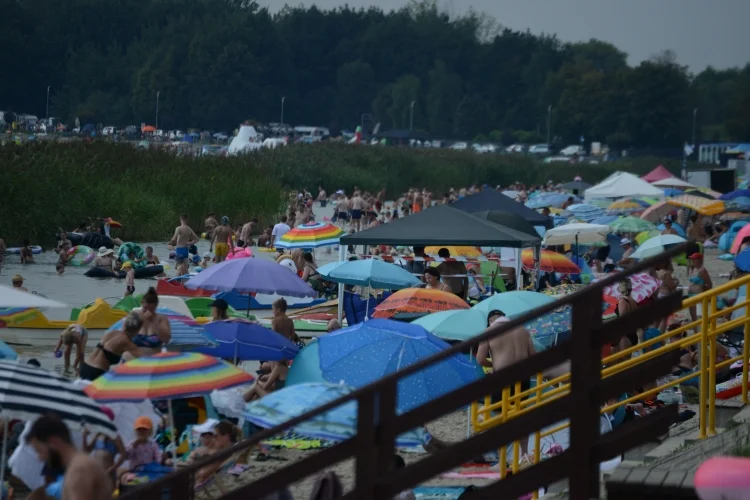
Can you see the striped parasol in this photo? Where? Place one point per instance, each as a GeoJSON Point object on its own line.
{"type": "Point", "coordinates": [549, 262]}
{"type": "Point", "coordinates": [311, 235]}
{"type": "Point", "coordinates": [628, 206]}
{"type": "Point", "coordinates": [417, 301]}
{"type": "Point", "coordinates": [167, 375]}
{"type": "Point", "coordinates": [584, 211]}
{"type": "Point", "coordinates": [27, 392]}
{"type": "Point", "coordinates": [185, 330]}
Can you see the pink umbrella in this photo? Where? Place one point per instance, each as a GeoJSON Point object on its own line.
{"type": "Point", "coordinates": [657, 211]}
{"type": "Point", "coordinates": [741, 235]}
{"type": "Point", "coordinates": [644, 286]}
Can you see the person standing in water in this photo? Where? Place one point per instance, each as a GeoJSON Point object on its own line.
{"type": "Point", "coordinates": [322, 197]}
{"type": "Point", "coordinates": [183, 237]}
{"type": "Point", "coordinates": [222, 238]}
{"type": "Point", "coordinates": [246, 235]}
{"type": "Point", "coordinates": [210, 224]}
{"type": "Point", "coordinates": [356, 205]}
{"type": "Point", "coordinates": [342, 211]}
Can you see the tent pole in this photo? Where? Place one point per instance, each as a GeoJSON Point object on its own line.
{"type": "Point", "coordinates": [519, 273]}
{"type": "Point", "coordinates": [342, 258]}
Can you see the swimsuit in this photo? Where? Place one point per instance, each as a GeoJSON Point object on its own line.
{"type": "Point", "coordinates": [89, 372]}
{"type": "Point", "coordinates": [106, 445]}
{"type": "Point", "coordinates": [130, 288]}
{"type": "Point", "coordinates": [181, 252]}
{"type": "Point", "coordinates": [147, 340]}
{"type": "Point", "coordinates": [221, 250]}
{"type": "Point", "coordinates": [356, 214]}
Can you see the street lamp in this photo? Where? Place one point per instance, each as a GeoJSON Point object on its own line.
{"type": "Point", "coordinates": [282, 110]}
{"type": "Point", "coordinates": [549, 122]}
{"type": "Point", "coordinates": [695, 115]}
{"type": "Point", "coordinates": [411, 116]}
{"type": "Point", "coordinates": [156, 121]}
{"type": "Point", "coordinates": [47, 114]}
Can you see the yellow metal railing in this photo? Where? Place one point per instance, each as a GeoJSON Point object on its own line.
{"type": "Point", "coordinates": [708, 327]}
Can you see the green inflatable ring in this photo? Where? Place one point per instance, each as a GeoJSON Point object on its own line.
{"type": "Point", "coordinates": [126, 248]}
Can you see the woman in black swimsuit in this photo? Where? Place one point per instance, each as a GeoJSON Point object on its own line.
{"type": "Point", "coordinates": [110, 349]}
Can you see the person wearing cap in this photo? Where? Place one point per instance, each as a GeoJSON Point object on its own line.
{"type": "Point", "coordinates": [626, 261]}
{"type": "Point", "coordinates": [142, 450]}
{"type": "Point", "coordinates": [223, 236]}
{"type": "Point", "coordinates": [668, 229]}
{"type": "Point", "coordinates": [207, 433]}
{"type": "Point", "coordinates": [219, 310]}
{"type": "Point", "coordinates": [104, 259]}
{"type": "Point", "coordinates": [18, 283]}
{"type": "Point", "coordinates": [127, 268]}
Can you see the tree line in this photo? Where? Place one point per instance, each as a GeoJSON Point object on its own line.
{"type": "Point", "coordinates": [216, 63]}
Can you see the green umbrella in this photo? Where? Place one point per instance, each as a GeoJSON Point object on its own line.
{"type": "Point", "coordinates": [630, 225]}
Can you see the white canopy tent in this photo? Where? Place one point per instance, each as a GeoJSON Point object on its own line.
{"type": "Point", "coordinates": [246, 140]}
{"type": "Point", "coordinates": [673, 182]}
{"type": "Point", "coordinates": [623, 185]}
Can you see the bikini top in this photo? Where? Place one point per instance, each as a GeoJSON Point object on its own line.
{"type": "Point", "coordinates": [106, 445]}
{"type": "Point", "coordinates": [111, 357]}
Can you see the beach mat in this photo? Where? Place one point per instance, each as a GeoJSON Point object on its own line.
{"type": "Point", "coordinates": [438, 493]}
{"type": "Point", "coordinates": [294, 441]}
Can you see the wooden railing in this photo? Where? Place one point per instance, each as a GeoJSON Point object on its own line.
{"type": "Point", "coordinates": [379, 424]}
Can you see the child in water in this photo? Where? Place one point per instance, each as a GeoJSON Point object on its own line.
{"type": "Point", "coordinates": [127, 266]}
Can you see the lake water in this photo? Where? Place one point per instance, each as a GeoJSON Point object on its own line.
{"type": "Point", "coordinates": [75, 289]}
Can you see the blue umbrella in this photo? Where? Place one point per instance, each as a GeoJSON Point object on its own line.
{"type": "Point", "coordinates": [585, 211]}
{"type": "Point", "coordinates": [671, 192]}
{"type": "Point", "coordinates": [251, 275]}
{"type": "Point", "coordinates": [6, 352]}
{"type": "Point", "coordinates": [514, 303]}
{"type": "Point", "coordinates": [337, 424]}
{"type": "Point", "coordinates": [306, 366]}
{"type": "Point", "coordinates": [676, 226]}
{"type": "Point", "coordinates": [548, 200]}
{"type": "Point", "coordinates": [242, 340]}
{"type": "Point", "coordinates": [742, 261]}
{"type": "Point", "coordinates": [366, 352]}
{"type": "Point", "coordinates": [369, 272]}
{"type": "Point", "coordinates": [740, 193]}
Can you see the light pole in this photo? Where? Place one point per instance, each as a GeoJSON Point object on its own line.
{"type": "Point", "coordinates": [549, 122]}
{"type": "Point", "coordinates": [411, 116]}
{"type": "Point", "coordinates": [47, 115]}
{"type": "Point", "coordinates": [156, 121]}
{"type": "Point", "coordinates": [282, 110]}
{"type": "Point", "coordinates": [695, 115]}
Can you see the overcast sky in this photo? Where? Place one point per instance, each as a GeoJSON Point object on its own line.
{"type": "Point", "coordinates": [701, 32]}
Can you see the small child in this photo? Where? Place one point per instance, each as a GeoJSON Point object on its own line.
{"type": "Point", "coordinates": [143, 450]}
{"type": "Point", "coordinates": [181, 266]}
{"type": "Point", "coordinates": [127, 266]}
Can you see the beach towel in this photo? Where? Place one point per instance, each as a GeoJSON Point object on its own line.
{"type": "Point", "coordinates": [438, 493]}
{"type": "Point", "coordinates": [295, 441]}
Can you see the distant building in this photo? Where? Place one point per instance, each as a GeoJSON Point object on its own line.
{"type": "Point", "coordinates": [711, 153]}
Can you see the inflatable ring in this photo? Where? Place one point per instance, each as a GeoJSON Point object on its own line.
{"type": "Point", "coordinates": [80, 255]}
{"type": "Point", "coordinates": [35, 250]}
{"type": "Point", "coordinates": [239, 253]}
{"type": "Point", "coordinates": [126, 248]}
{"type": "Point", "coordinates": [289, 264]}
{"type": "Point", "coordinates": [266, 249]}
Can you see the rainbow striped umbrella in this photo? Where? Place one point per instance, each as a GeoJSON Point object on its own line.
{"type": "Point", "coordinates": [311, 235]}
{"type": "Point", "coordinates": [167, 375]}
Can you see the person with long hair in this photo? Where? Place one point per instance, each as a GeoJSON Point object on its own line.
{"type": "Point", "coordinates": [110, 349]}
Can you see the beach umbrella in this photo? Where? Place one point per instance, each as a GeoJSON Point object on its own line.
{"type": "Point", "coordinates": [456, 251]}
{"type": "Point", "coordinates": [709, 194]}
{"type": "Point", "coordinates": [11, 298]}
{"type": "Point", "coordinates": [657, 245]}
{"type": "Point", "coordinates": [584, 211]}
{"type": "Point", "coordinates": [742, 234]}
{"type": "Point", "coordinates": [644, 236]}
{"type": "Point", "coordinates": [740, 193]}
{"type": "Point", "coordinates": [644, 286]}
{"type": "Point", "coordinates": [604, 220]}
{"type": "Point", "coordinates": [696, 203]}
{"type": "Point", "coordinates": [560, 290]}
{"type": "Point", "coordinates": [7, 352]}
{"type": "Point", "coordinates": [658, 211]}
{"type": "Point", "coordinates": [366, 352]}
{"type": "Point", "coordinates": [549, 262]}
{"type": "Point", "coordinates": [251, 275]}
{"type": "Point", "coordinates": [577, 233]}
{"type": "Point", "coordinates": [739, 203]}
{"type": "Point", "coordinates": [672, 192]}
{"type": "Point", "coordinates": [514, 303]}
{"type": "Point", "coordinates": [338, 424]}
{"type": "Point", "coordinates": [311, 235]}
{"type": "Point", "coordinates": [742, 261]}
{"type": "Point", "coordinates": [454, 325]}
{"type": "Point", "coordinates": [306, 366]}
{"type": "Point", "coordinates": [546, 329]}
{"type": "Point", "coordinates": [185, 330]}
{"type": "Point", "coordinates": [549, 200]}
{"type": "Point", "coordinates": [418, 300]}
{"type": "Point", "coordinates": [677, 227]}
{"type": "Point", "coordinates": [630, 225]}
{"type": "Point", "coordinates": [28, 392]}
{"type": "Point", "coordinates": [673, 182]}
{"type": "Point", "coordinates": [625, 207]}
{"type": "Point", "coordinates": [243, 341]}
{"type": "Point", "coordinates": [374, 273]}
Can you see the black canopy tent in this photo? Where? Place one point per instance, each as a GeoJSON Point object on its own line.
{"type": "Point", "coordinates": [508, 219]}
{"type": "Point", "coordinates": [442, 225]}
{"type": "Point", "coordinates": [489, 199]}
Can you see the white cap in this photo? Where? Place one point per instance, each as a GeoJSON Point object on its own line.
{"type": "Point", "coordinates": [206, 427]}
{"type": "Point", "coordinates": [207, 255]}
{"type": "Point", "coordinates": [625, 241]}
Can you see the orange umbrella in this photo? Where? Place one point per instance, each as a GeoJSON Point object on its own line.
{"type": "Point", "coordinates": [552, 262]}
{"type": "Point", "coordinates": [148, 128]}
{"type": "Point", "coordinates": [418, 300]}
{"type": "Point", "coordinates": [455, 251]}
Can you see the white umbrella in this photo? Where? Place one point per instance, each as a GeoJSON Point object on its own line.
{"type": "Point", "coordinates": [673, 182]}
{"type": "Point", "coordinates": [578, 233]}
{"type": "Point", "coordinates": [657, 245]}
{"type": "Point", "coordinates": [10, 297]}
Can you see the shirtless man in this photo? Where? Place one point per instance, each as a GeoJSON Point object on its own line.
{"type": "Point", "coordinates": [281, 323]}
{"type": "Point", "coordinates": [210, 224]}
{"type": "Point", "coordinates": [506, 350]}
{"type": "Point", "coordinates": [342, 211]}
{"type": "Point", "coordinates": [221, 240]}
{"type": "Point", "coordinates": [322, 197]}
{"type": "Point", "coordinates": [85, 476]}
{"type": "Point", "coordinates": [183, 237]}
{"type": "Point", "coordinates": [264, 240]}
{"type": "Point", "coordinates": [246, 235]}
{"type": "Point", "coordinates": [356, 205]}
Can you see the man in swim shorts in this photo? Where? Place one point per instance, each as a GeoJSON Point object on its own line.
{"type": "Point", "coordinates": [183, 238]}
{"type": "Point", "coordinates": [356, 205]}
{"type": "Point", "coordinates": [342, 210]}
{"type": "Point", "coordinates": [210, 224]}
{"type": "Point", "coordinates": [222, 239]}
{"type": "Point", "coordinates": [246, 234]}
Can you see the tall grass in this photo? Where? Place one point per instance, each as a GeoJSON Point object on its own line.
{"type": "Point", "coordinates": [45, 186]}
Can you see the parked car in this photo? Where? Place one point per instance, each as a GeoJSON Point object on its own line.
{"type": "Point", "coordinates": [459, 146]}
{"type": "Point", "coordinates": [484, 148]}
{"type": "Point", "coordinates": [515, 148]}
{"type": "Point", "coordinates": [539, 149]}
{"type": "Point", "coordinates": [573, 150]}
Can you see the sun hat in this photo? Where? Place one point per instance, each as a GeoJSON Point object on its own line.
{"type": "Point", "coordinates": [143, 423]}
{"type": "Point", "coordinates": [126, 265]}
{"type": "Point", "coordinates": [105, 251]}
{"type": "Point", "coordinates": [17, 279]}
{"type": "Point", "coordinates": [625, 241]}
{"type": "Point", "coordinates": [207, 427]}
